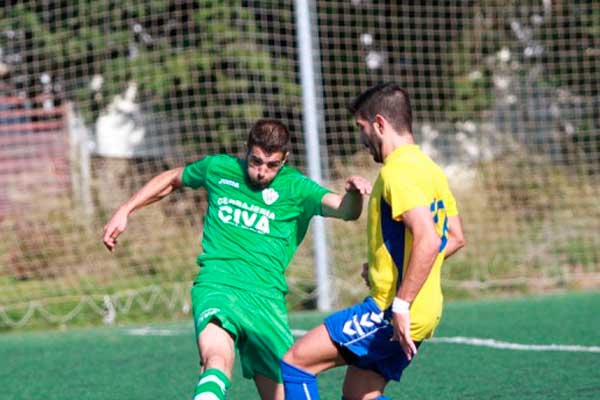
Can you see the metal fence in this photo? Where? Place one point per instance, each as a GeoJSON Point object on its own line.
{"type": "Point", "coordinates": [505, 98]}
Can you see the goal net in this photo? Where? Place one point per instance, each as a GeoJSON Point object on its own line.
{"type": "Point", "coordinates": [98, 96]}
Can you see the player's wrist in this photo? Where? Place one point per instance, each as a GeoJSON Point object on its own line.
{"type": "Point", "coordinates": [400, 306]}
{"type": "Point", "coordinates": [350, 188]}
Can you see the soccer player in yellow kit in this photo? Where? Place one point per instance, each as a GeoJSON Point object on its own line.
{"type": "Point", "coordinates": [413, 226]}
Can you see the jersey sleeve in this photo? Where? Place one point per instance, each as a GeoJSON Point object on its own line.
{"type": "Point", "coordinates": [449, 200]}
{"type": "Point", "coordinates": [194, 174]}
{"type": "Point", "coordinates": [402, 194]}
{"type": "Point", "coordinates": [311, 194]}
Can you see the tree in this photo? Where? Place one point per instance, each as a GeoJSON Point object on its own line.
{"type": "Point", "coordinates": [203, 64]}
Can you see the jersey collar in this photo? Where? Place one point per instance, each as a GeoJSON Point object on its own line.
{"type": "Point", "coordinates": [401, 151]}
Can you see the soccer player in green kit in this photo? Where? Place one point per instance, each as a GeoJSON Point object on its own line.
{"type": "Point", "coordinates": [258, 213]}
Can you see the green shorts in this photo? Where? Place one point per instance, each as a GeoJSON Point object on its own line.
{"type": "Point", "coordinates": [259, 325]}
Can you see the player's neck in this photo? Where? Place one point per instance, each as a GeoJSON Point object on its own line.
{"type": "Point", "coordinates": [396, 141]}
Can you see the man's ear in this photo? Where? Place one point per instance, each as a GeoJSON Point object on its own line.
{"type": "Point", "coordinates": [285, 157]}
{"type": "Point", "coordinates": [379, 124]}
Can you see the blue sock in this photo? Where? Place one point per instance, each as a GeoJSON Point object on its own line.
{"type": "Point", "coordinates": [298, 384]}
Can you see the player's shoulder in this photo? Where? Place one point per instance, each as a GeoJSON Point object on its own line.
{"type": "Point", "coordinates": [206, 158]}
{"type": "Point", "coordinates": [293, 181]}
{"type": "Point", "coordinates": [396, 170]}
{"type": "Point", "coordinates": [416, 164]}
{"type": "Point", "coordinates": [219, 161]}
{"type": "Point", "coordinates": [432, 168]}
{"type": "Point", "coordinates": [223, 158]}
{"type": "Point", "coordinates": [289, 173]}
{"type": "Point", "coordinates": [217, 165]}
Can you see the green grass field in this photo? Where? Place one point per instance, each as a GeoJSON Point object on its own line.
{"type": "Point", "coordinates": [159, 361]}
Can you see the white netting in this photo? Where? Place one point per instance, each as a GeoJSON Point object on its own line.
{"type": "Point", "coordinates": [98, 96]}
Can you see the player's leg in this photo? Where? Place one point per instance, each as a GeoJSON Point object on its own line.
{"type": "Point", "coordinates": [217, 354]}
{"type": "Point", "coordinates": [215, 329]}
{"type": "Point", "coordinates": [310, 355]}
{"type": "Point", "coordinates": [268, 389]}
{"type": "Point", "coordinates": [265, 337]}
{"type": "Point", "coordinates": [369, 374]}
{"type": "Point", "coordinates": [345, 337]}
{"type": "Point", "coordinates": [216, 348]}
{"type": "Point", "coordinates": [362, 384]}
{"type": "Point", "coordinates": [314, 352]}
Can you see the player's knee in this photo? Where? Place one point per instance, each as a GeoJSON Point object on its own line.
{"type": "Point", "coordinates": [217, 361]}
{"type": "Point", "coordinates": [380, 397]}
{"type": "Point", "coordinates": [292, 356]}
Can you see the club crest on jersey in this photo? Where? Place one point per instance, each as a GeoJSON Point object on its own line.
{"type": "Point", "coordinates": [270, 196]}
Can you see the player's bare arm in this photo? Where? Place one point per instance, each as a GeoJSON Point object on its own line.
{"type": "Point", "coordinates": [425, 248]}
{"type": "Point", "coordinates": [349, 206]}
{"type": "Point", "coordinates": [157, 188]}
{"type": "Point", "coordinates": [456, 239]}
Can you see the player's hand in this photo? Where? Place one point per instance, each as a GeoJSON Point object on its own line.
{"type": "Point", "coordinates": [365, 274]}
{"type": "Point", "coordinates": [401, 322]}
{"type": "Point", "coordinates": [358, 184]}
{"type": "Point", "coordinates": [115, 226]}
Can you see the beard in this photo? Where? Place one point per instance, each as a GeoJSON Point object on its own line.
{"type": "Point", "coordinates": [378, 158]}
{"type": "Point", "coordinates": [375, 153]}
{"type": "Point", "coordinates": [259, 185]}
{"type": "Point", "coordinates": [256, 184]}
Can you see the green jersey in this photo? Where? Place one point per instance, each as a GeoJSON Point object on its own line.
{"type": "Point", "coordinates": [251, 235]}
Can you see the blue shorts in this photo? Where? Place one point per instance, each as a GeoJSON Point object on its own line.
{"type": "Point", "coordinates": [365, 331]}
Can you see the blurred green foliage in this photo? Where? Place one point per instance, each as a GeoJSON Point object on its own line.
{"type": "Point", "coordinates": [215, 66]}
{"type": "Point", "coordinates": [206, 63]}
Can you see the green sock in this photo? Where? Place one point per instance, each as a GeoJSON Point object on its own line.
{"type": "Point", "coordinates": [212, 385]}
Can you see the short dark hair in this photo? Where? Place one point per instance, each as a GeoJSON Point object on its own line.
{"type": "Point", "coordinates": [270, 135]}
{"type": "Point", "coordinates": [388, 100]}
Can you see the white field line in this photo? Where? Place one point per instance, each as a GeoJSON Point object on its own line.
{"type": "Point", "coordinates": [497, 344]}
{"type": "Point", "coordinates": [148, 331]}
{"type": "Point", "coordinates": [469, 341]}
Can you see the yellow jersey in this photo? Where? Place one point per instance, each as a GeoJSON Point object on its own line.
{"type": "Point", "coordinates": [408, 179]}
